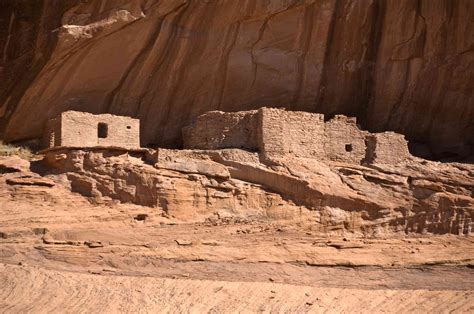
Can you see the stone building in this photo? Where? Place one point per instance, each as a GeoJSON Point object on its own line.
{"type": "Point", "coordinates": [82, 129]}
{"type": "Point", "coordinates": [277, 132]}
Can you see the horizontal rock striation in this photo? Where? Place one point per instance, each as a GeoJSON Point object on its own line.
{"type": "Point", "coordinates": [401, 65]}
{"type": "Point", "coordinates": [192, 185]}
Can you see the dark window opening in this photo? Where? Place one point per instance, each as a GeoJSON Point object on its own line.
{"type": "Point", "coordinates": [129, 127]}
{"type": "Point", "coordinates": [349, 148]}
{"type": "Point", "coordinates": [102, 130]}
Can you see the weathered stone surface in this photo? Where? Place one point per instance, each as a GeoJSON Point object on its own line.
{"type": "Point", "coordinates": [218, 130]}
{"type": "Point", "coordinates": [353, 228]}
{"type": "Point", "coordinates": [191, 190]}
{"type": "Point", "coordinates": [411, 197]}
{"type": "Point", "coordinates": [399, 65]}
{"type": "Point", "coordinates": [275, 133]}
{"type": "Point", "coordinates": [13, 164]}
{"type": "Point", "coordinates": [204, 167]}
{"type": "Point", "coordinates": [29, 180]}
{"type": "Point", "coordinates": [82, 129]}
{"type": "Point", "coordinates": [187, 161]}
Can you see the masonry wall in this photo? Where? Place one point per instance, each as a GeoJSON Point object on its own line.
{"type": "Point", "coordinates": [218, 130]}
{"type": "Point", "coordinates": [276, 133]}
{"type": "Point", "coordinates": [387, 148]}
{"type": "Point", "coordinates": [305, 134]}
{"type": "Point", "coordinates": [344, 141]}
{"type": "Point", "coordinates": [81, 129]}
{"type": "Point", "coordinates": [291, 132]}
{"type": "Point", "coordinates": [271, 141]}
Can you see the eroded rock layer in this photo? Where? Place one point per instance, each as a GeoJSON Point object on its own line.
{"type": "Point", "coordinates": [212, 237]}
{"type": "Point", "coordinates": [400, 65]}
{"type": "Point", "coordinates": [191, 185]}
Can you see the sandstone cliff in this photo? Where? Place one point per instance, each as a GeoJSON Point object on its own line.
{"type": "Point", "coordinates": [192, 185]}
{"type": "Point", "coordinates": [402, 65]}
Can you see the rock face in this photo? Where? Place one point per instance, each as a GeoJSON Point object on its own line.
{"type": "Point", "coordinates": [193, 185]}
{"type": "Point", "coordinates": [218, 238]}
{"type": "Point", "coordinates": [401, 65]}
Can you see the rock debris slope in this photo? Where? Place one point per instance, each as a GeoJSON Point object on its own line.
{"type": "Point", "coordinates": [400, 65]}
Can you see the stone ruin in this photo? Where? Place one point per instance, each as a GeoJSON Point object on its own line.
{"type": "Point", "coordinates": [82, 129]}
{"type": "Point", "coordinates": [275, 133]}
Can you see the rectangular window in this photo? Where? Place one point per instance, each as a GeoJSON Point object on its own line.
{"type": "Point", "coordinates": [102, 130]}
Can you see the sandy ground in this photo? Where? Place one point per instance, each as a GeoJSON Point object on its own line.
{"type": "Point", "coordinates": [31, 289]}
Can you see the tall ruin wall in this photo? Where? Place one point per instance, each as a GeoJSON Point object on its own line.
{"type": "Point", "coordinates": [52, 133]}
{"type": "Point", "coordinates": [291, 132]}
{"type": "Point", "coordinates": [217, 130]}
{"type": "Point", "coordinates": [386, 148]}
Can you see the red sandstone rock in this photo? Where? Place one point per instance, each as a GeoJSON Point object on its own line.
{"type": "Point", "coordinates": [410, 197]}
{"type": "Point", "coordinates": [29, 180]}
{"type": "Point", "coordinates": [399, 65]}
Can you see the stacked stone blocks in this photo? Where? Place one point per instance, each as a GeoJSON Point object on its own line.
{"type": "Point", "coordinates": [82, 129]}
{"type": "Point", "coordinates": [277, 132]}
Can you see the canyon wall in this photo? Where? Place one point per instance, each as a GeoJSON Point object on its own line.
{"type": "Point", "coordinates": [402, 65]}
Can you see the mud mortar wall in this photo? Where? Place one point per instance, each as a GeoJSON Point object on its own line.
{"type": "Point", "coordinates": [276, 133]}
{"type": "Point", "coordinates": [291, 132]}
{"type": "Point", "coordinates": [344, 141]}
{"type": "Point", "coordinates": [386, 148]}
{"type": "Point", "coordinates": [80, 129]}
{"type": "Point", "coordinates": [218, 130]}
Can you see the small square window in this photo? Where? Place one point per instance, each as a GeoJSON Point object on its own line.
{"type": "Point", "coordinates": [349, 148]}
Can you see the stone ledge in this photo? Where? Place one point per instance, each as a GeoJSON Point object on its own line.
{"type": "Point", "coordinates": [95, 148]}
